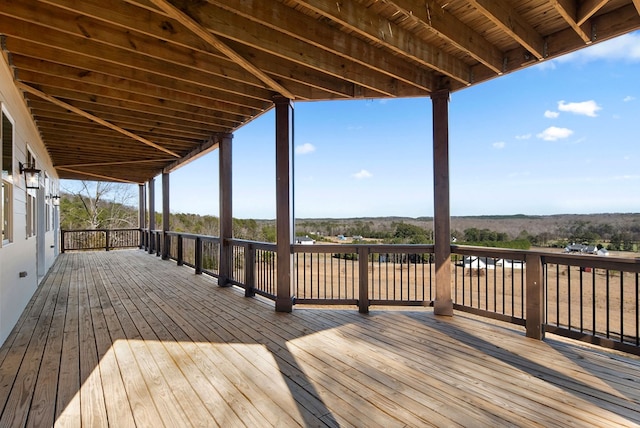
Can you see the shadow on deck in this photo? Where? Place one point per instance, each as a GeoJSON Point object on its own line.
{"type": "Point", "coordinates": [124, 339]}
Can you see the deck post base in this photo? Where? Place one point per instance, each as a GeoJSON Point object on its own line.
{"type": "Point", "coordinates": [443, 307]}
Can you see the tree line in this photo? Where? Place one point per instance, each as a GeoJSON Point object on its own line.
{"type": "Point", "coordinates": [97, 205]}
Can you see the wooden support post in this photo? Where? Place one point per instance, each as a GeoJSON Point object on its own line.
{"type": "Point", "coordinates": [443, 304]}
{"type": "Point", "coordinates": [62, 243]}
{"type": "Point", "coordinates": [535, 297]}
{"type": "Point", "coordinates": [198, 255]}
{"type": "Point", "coordinates": [249, 270]}
{"type": "Point", "coordinates": [363, 280]}
{"type": "Point", "coordinates": [180, 257]}
{"type": "Point", "coordinates": [142, 210]}
{"type": "Point", "coordinates": [152, 214]}
{"type": "Point", "coordinates": [165, 216]}
{"type": "Point", "coordinates": [284, 202]}
{"type": "Point", "coordinates": [225, 172]}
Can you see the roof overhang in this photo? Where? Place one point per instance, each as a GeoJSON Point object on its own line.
{"type": "Point", "coordinates": [123, 90]}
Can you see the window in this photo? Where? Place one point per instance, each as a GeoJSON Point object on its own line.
{"type": "Point", "coordinates": [32, 206]}
{"type": "Point", "coordinates": [6, 150]}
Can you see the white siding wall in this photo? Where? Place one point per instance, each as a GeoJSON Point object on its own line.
{"type": "Point", "coordinates": [20, 255]}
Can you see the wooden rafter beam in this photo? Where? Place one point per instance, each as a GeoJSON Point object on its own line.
{"type": "Point", "coordinates": [40, 94]}
{"type": "Point", "coordinates": [214, 41]}
{"type": "Point", "coordinates": [636, 3]}
{"type": "Point", "coordinates": [98, 176]}
{"type": "Point", "coordinates": [503, 15]}
{"type": "Point", "coordinates": [208, 146]}
{"type": "Point", "coordinates": [568, 9]}
{"type": "Point", "coordinates": [438, 21]}
{"type": "Point", "coordinates": [588, 8]}
{"type": "Point", "coordinates": [289, 36]}
{"type": "Point", "coordinates": [372, 26]}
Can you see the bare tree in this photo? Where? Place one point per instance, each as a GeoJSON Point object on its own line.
{"type": "Point", "coordinates": [97, 205]}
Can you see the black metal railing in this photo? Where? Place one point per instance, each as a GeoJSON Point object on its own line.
{"type": "Point", "coordinates": [98, 239]}
{"type": "Point", "coordinates": [490, 282]}
{"type": "Point", "coordinates": [595, 299]}
{"type": "Point", "coordinates": [363, 275]}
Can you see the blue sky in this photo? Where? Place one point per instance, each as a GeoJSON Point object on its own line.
{"type": "Point", "coordinates": [560, 137]}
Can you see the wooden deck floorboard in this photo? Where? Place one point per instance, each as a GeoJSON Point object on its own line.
{"type": "Point", "coordinates": [124, 339]}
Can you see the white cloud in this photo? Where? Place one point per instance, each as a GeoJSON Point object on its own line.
{"type": "Point", "coordinates": [305, 148]}
{"type": "Point", "coordinates": [551, 114]}
{"type": "Point", "coordinates": [523, 137]}
{"type": "Point", "coordinates": [625, 48]}
{"type": "Point", "coordinates": [587, 108]}
{"type": "Point", "coordinates": [499, 145]}
{"type": "Point", "coordinates": [628, 98]}
{"type": "Point", "coordinates": [362, 174]}
{"type": "Point", "coordinates": [554, 133]}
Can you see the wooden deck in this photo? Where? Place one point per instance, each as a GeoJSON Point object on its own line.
{"type": "Point", "coordinates": [124, 339]}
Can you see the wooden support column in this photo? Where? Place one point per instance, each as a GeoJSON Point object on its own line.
{"type": "Point", "coordinates": [165, 215]}
{"type": "Point", "coordinates": [142, 213]}
{"type": "Point", "coordinates": [443, 304]}
{"type": "Point", "coordinates": [152, 213]}
{"type": "Point", "coordinates": [535, 297]}
{"type": "Point", "coordinates": [226, 209]}
{"type": "Point", "coordinates": [284, 202]}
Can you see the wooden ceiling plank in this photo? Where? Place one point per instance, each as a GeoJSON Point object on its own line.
{"type": "Point", "coordinates": [132, 162]}
{"type": "Point", "coordinates": [128, 123]}
{"type": "Point", "coordinates": [40, 94]}
{"type": "Point", "coordinates": [160, 136]}
{"type": "Point", "coordinates": [99, 176]}
{"type": "Point", "coordinates": [216, 66]}
{"type": "Point", "coordinates": [136, 19]}
{"type": "Point", "coordinates": [341, 55]}
{"type": "Point", "coordinates": [121, 115]}
{"type": "Point", "coordinates": [91, 56]}
{"type": "Point", "coordinates": [152, 40]}
{"type": "Point", "coordinates": [359, 19]}
{"type": "Point", "coordinates": [437, 20]}
{"type": "Point", "coordinates": [146, 99]}
{"type": "Point", "coordinates": [568, 9]}
{"type": "Point", "coordinates": [197, 29]}
{"type": "Point", "coordinates": [186, 113]}
{"type": "Point", "coordinates": [588, 8]}
{"type": "Point", "coordinates": [159, 86]}
{"type": "Point", "coordinates": [508, 20]}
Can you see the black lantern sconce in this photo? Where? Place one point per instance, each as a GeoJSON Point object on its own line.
{"type": "Point", "coordinates": [31, 175]}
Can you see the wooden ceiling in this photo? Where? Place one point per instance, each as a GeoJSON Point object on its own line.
{"type": "Point", "coordinates": [122, 90]}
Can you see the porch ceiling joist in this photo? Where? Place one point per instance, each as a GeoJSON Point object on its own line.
{"type": "Point", "coordinates": [215, 42]}
{"type": "Point", "coordinates": [178, 73]}
{"type": "Point", "coordinates": [40, 94]}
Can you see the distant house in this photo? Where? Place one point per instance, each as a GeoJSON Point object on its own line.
{"type": "Point", "coordinates": [583, 249]}
{"type": "Point", "coordinates": [575, 248]}
{"type": "Point", "coordinates": [474, 262]}
{"type": "Point", "coordinates": [304, 240]}
{"type": "Point", "coordinates": [510, 264]}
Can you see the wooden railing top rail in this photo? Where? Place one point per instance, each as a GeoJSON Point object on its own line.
{"type": "Point", "coordinates": [124, 229]}
{"type": "Point", "coordinates": [194, 236]}
{"type": "Point", "coordinates": [593, 261]}
{"type": "Point", "coordinates": [500, 253]}
{"type": "Point", "coordinates": [267, 246]}
{"type": "Point", "coordinates": [353, 248]}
